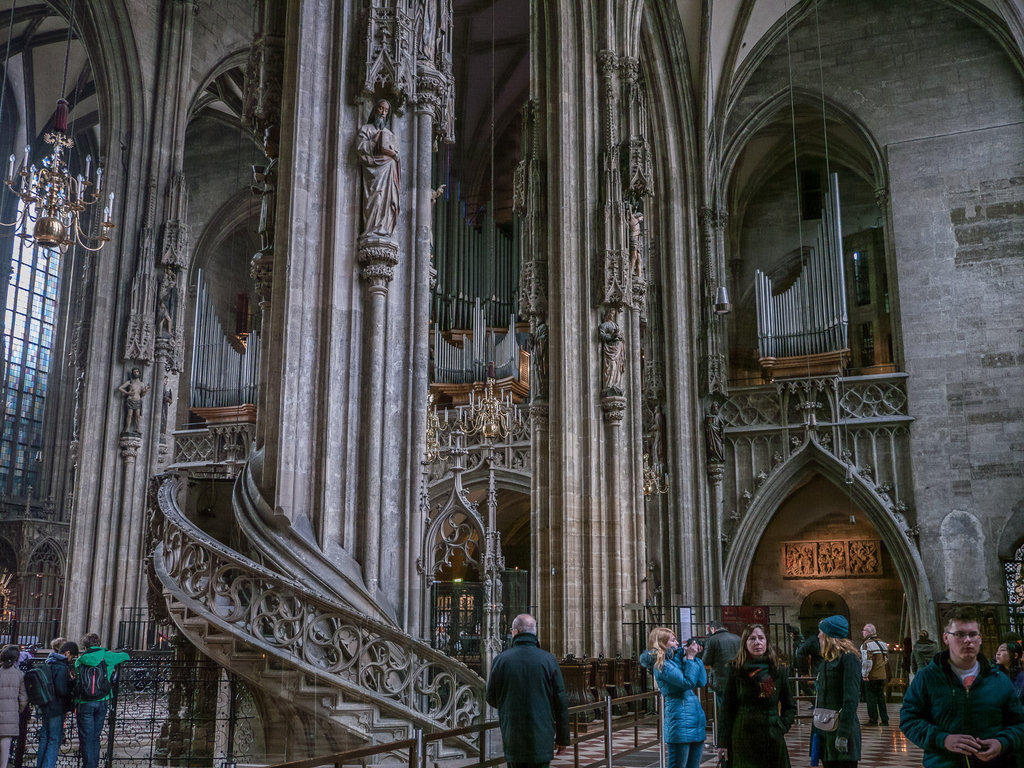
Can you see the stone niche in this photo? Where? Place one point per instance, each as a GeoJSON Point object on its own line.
{"type": "Point", "coordinates": [820, 540]}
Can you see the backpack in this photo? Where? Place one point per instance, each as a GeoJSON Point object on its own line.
{"type": "Point", "coordinates": [39, 685]}
{"type": "Point", "coordinates": [92, 683]}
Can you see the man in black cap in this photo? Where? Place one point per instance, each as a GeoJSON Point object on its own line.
{"type": "Point", "coordinates": [526, 687]}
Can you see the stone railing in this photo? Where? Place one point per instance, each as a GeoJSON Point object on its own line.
{"type": "Point", "coordinates": [363, 659]}
{"type": "Point", "coordinates": [213, 447]}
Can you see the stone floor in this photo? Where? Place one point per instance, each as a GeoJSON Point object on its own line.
{"type": "Point", "coordinates": [881, 747]}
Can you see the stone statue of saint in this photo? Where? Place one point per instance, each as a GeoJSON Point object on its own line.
{"type": "Point", "coordinates": [166, 303]}
{"type": "Point", "coordinates": [539, 353]}
{"type": "Point", "coordinates": [613, 356]}
{"type": "Point", "coordinates": [133, 390]}
{"type": "Point", "coordinates": [714, 435]}
{"type": "Point", "coordinates": [377, 149]}
{"type": "Point", "coordinates": [636, 260]}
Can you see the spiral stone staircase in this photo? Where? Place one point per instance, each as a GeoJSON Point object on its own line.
{"type": "Point", "coordinates": [356, 674]}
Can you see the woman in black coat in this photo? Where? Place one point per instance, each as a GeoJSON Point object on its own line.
{"type": "Point", "coordinates": [758, 706]}
{"type": "Point", "coordinates": [838, 688]}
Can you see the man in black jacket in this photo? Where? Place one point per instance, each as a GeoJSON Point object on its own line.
{"type": "Point", "coordinates": [526, 688]}
{"type": "Point", "coordinates": [720, 648]}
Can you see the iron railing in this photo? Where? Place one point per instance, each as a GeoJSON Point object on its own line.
{"type": "Point", "coordinates": [621, 735]}
{"type": "Point", "coordinates": [165, 711]}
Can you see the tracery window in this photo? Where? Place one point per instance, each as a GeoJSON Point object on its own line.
{"type": "Point", "coordinates": [30, 317]}
{"type": "Point", "coordinates": [1013, 572]}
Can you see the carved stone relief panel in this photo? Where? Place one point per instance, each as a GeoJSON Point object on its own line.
{"type": "Point", "coordinates": [837, 558]}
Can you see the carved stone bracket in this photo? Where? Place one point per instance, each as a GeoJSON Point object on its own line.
{"type": "Point", "coordinates": [170, 350]}
{"type": "Point", "coordinates": [614, 408]}
{"type": "Point", "coordinates": [716, 472]}
{"type": "Point", "coordinates": [435, 95]}
{"type": "Point", "coordinates": [261, 270]}
{"type": "Point", "coordinates": [539, 411]}
{"type": "Point", "coordinates": [533, 288]}
{"type": "Point", "coordinates": [378, 258]}
{"type": "Point", "coordinates": [129, 445]}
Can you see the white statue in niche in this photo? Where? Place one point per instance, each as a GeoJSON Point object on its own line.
{"type": "Point", "coordinates": [964, 554]}
{"type": "Point", "coordinates": [377, 148]}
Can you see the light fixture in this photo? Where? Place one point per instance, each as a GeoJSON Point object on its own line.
{"type": "Point", "coordinates": [490, 416]}
{"type": "Point", "coordinates": [432, 451]}
{"type": "Point", "coordinates": [722, 305]}
{"type": "Point", "coordinates": [655, 479]}
{"type": "Point", "coordinates": [53, 200]}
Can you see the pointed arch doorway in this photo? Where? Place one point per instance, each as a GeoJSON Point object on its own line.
{"type": "Point", "coordinates": [818, 605]}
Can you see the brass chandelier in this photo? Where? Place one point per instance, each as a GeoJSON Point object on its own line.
{"type": "Point", "coordinates": [52, 200]}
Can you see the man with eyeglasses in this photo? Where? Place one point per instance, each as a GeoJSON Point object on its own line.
{"type": "Point", "coordinates": [960, 709]}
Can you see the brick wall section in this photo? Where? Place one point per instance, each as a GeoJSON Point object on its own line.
{"type": "Point", "coordinates": [943, 100]}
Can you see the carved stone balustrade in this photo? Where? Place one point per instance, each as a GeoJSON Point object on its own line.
{"type": "Point", "coordinates": [214, 449]}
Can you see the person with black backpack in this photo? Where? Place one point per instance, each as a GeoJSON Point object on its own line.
{"type": "Point", "coordinates": [49, 688]}
{"type": "Point", "coordinates": [94, 675]}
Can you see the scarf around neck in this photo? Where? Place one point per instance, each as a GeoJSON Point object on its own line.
{"type": "Point", "coordinates": [758, 671]}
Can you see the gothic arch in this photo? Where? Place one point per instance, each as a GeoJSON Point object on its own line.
{"type": "Point", "coordinates": [810, 458]}
{"type": "Point", "coordinates": [47, 553]}
{"type": "Point", "coordinates": [769, 109]}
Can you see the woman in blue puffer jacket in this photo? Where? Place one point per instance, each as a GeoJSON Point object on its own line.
{"type": "Point", "coordinates": [678, 675]}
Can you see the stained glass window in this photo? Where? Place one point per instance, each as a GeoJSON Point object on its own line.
{"type": "Point", "coordinates": [1013, 571]}
{"type": "Point", "coordinates": [28, 332]}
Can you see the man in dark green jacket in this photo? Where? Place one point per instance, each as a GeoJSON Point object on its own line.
{"type": "Point", "coordinates": [526, 687]}
{"type": "Point", "coordinates": [960, 709]}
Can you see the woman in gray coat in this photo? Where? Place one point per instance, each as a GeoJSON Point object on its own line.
{"type": "Point", "coordinates": [12, 699]}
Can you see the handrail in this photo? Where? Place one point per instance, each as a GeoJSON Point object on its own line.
{"type": "Point", "coordinates": [367, 659]}
{"type": "Point", "coordinates": [417, 753]}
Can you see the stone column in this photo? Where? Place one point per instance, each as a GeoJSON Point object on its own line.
{"type": "Point", "coordinates": [108, 512]}
{"type": "Point", "coordinates": [591, 484]}
{"type": "Point", "coordinates": [378, 258]}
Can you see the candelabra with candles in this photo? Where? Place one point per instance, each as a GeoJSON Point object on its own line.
{"type": "Point", "coordinates": [655, 478]}
{"type": "Point", "coordinates": [491, 416]}
{"type": "Point", "coordinates": [53, 200]}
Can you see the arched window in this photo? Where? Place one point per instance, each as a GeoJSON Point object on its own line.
{"type": "Point", "coordinates": [30, 317]}
{"type": "Point", "coordinates": [1013, 573]}
{"type": "Point", "coordinates": [41, 594]}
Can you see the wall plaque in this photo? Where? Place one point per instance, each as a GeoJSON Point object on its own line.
{"type": "Point", "coordinates": [836, 558]}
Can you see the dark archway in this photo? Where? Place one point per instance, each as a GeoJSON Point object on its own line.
{"type": "Point", "coordinates": [818, 605]}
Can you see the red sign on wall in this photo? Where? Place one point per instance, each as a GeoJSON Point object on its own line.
{"type": "Point", "coordinates": [736, 617]}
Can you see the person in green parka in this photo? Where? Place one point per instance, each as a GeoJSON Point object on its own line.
{"type": "Point", "coordinates": [838, 688]}
{"type": "Point", "coordinates": [758, 706]}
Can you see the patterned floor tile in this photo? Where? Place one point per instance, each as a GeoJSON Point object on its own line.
{"type": "Point", "coordinates": [881, 747]}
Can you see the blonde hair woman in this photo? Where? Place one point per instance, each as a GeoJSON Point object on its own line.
{"type": "Point", "coordinates": [838, 688]}
{"type": "Point", "coordinates": [678, 675]}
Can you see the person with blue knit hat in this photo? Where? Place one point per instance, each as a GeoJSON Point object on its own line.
{"type": "Point", "coordinates": [838, 689]}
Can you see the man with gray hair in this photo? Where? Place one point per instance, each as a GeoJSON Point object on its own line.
{"type": "Point", "coordinates": [526, 687]}
{"type": "Point", "coordinates": [874, 657]}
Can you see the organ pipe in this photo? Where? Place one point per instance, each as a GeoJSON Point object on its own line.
{"type": "Point", "coordinates": [221, 376]}
{"type": "Point", "coordinates": [810, 316]}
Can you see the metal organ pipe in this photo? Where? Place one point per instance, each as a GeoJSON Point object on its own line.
{"type": "Point", "coordinates": [810, 316]}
